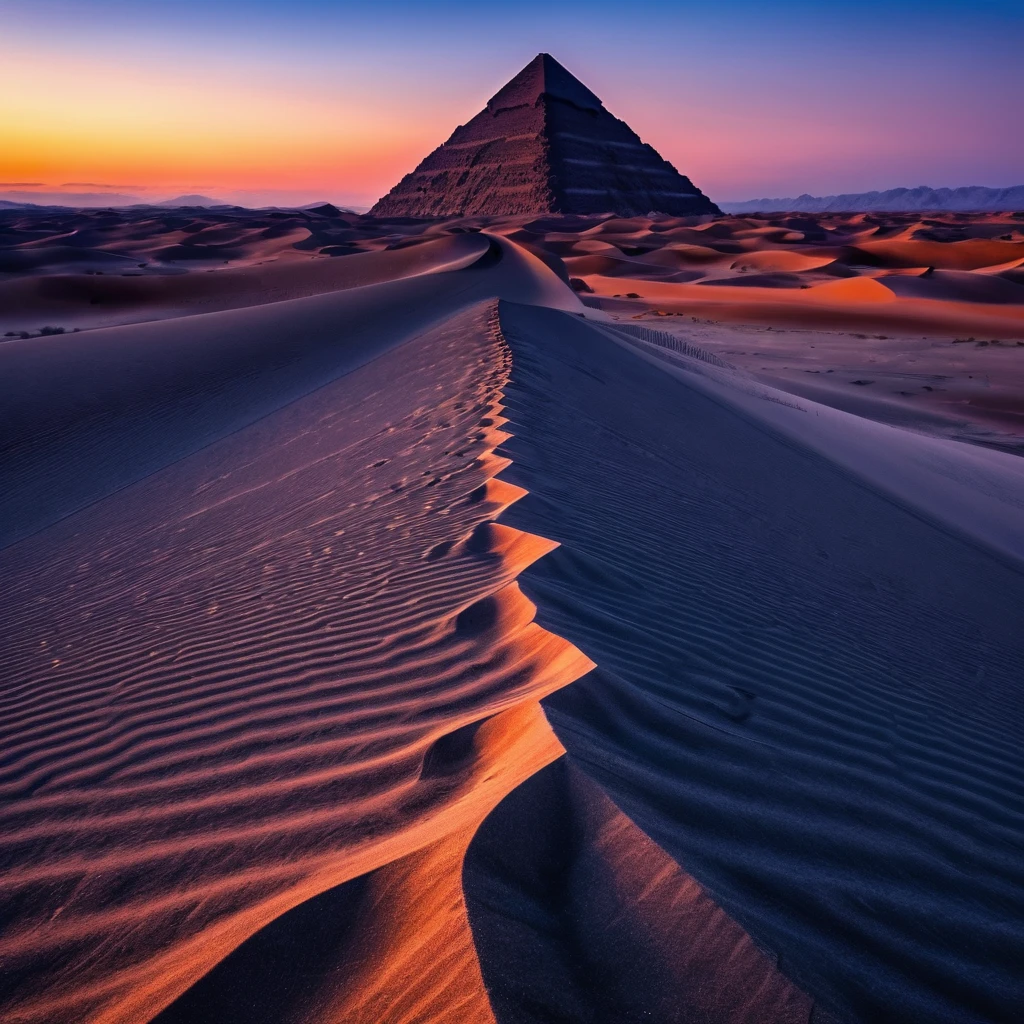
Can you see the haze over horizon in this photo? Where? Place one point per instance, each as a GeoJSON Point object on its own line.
{"type": "Point", "coordinates": [266, 103]}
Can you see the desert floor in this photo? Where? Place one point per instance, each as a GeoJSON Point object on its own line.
{"type": "Point", "coordinates": [539, 619]}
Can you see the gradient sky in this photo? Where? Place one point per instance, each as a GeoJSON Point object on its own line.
{"type": "Point", "coordinates": [261, 101]}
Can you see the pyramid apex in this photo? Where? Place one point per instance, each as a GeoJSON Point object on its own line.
{"type": "Point", "coordinates": [543, 76]}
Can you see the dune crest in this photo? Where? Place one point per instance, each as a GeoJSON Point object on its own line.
{"type": "Point", "coordinates": [209, 734]}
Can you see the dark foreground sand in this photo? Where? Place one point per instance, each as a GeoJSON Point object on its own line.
{"type": "Point", "coordinates": [426, 645]}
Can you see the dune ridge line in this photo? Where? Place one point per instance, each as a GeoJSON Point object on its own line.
{"type": "Point", "coordinates": [208, 736]}
{"type": "Point", "coordinates": [412, 955]}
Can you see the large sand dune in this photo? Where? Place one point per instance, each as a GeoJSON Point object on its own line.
{"type": "Point", "coordinates": [405, 641]}
{"type": "Point", "coordinates": [808, 659]}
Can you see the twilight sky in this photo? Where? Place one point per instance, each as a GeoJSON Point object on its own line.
{"type": "Point", "coordinates": [289, 101]}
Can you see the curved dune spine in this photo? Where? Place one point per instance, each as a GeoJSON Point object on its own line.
{"type": "Point", "coordinates": [195, 769]}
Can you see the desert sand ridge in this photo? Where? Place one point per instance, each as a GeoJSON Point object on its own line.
{"type": "Point", "coordinates": [398, 976]}
{"type": "Point", "coordinates": [544, 143]}
{"type": "Point", "coordinates": [97, 417]}
{"type": "Point", "coordinates": [216, 788]}
{"type": "Point", "coordinates": [437, 649]}
{"type": "Point", "coordinates": [294, 657]}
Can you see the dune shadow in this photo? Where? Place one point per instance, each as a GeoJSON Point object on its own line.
{"type": "Point", "coordinates": [274, 975]}
{"type": "Point", "coordinates": [577, 916]}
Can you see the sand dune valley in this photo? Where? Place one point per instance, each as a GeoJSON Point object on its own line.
{"type": "Point", "coordinates": [505, 612]}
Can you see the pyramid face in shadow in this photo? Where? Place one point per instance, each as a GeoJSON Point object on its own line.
{"type": "Point", "coordinates": [543, 144]}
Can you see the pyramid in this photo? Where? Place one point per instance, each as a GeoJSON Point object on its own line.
{"type": "Point", "coordinates": [543, 144]}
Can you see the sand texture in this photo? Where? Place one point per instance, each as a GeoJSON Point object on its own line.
{"type": "Point", "coordinates": [394, 632]}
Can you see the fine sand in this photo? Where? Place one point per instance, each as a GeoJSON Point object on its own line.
{"type": "Point", "coordinates": [402, 634]}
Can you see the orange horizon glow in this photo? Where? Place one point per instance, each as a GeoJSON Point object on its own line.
{"type": "Point", "coordinates": [80, 124]}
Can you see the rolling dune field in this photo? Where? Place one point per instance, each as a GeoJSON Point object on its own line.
{"type": "Point", "coordinates": [509, 621]}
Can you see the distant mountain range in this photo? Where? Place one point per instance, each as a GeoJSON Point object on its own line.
{"type": "Point", "coordinates": [968, 199]}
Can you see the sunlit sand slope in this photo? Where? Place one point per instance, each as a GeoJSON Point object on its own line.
{"type": "Point", "coordinates": [392, 945]}
{"type": "Point", "coordinates": [257, 673]}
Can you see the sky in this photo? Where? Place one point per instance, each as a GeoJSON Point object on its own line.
{"type": "Point", "coordinates": [285, 102]}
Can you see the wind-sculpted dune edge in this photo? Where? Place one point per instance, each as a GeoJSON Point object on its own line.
{"type": "Point", "coordinates": [271, 667]}
{"type": "Point", "coordinates": [414, 940]}
{"type": "Point", "coordinates": [260, 700]}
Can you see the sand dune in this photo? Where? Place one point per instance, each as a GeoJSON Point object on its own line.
{"type": "Point", "coordinates": [394, 944]}
{"type": "Point", "coordinates": [783, 270]}
{"type": "Point", "coordinates": [249, 677]}
{"type": "Point", "coordinates": [807, 691]}
{"type": "Point", "coordinates": [85, 415]}
{"type": "Point", "coordinates": [408, 640]}
{"type": "Point", "coordinates": [967, 254]}
{"type": "Point", "coordinates": [90, 269]}
{"type": "Point", "coordinates": [99, 301]}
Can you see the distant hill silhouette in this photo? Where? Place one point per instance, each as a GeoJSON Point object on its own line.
{"type": "Point", "coordinates": [968, 199]}
{"type": "Point", "coordinates": [543, 144]}
{"type": "Point", "coordinates": [326, 209]}
{"type": "Point", "coordinates": [192, 200]}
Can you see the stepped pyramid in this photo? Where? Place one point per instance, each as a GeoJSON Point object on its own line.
{"type": "Point", "coordinates": [543, 144]}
